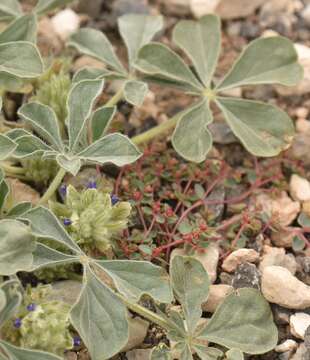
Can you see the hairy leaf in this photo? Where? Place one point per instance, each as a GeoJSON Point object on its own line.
{"type": "Point", "coordinates": [100, 318]}
{"type": "Point", "coordinates": [135, 92]}
{"type": "Point", "coordinates": [190, 283]}
{"type": "Point", "coordinates": [201, 41]}
{"type": "Point", "coordinates": [17, 353]}
{"type": "Point", "coordinates": [22, 29]}
{"type": "Point", "coordinates": [138, 30]}
{"type": "Point", "coordinates": [243, 321]}
{"type": "Point", "coordinates": [263, 129]}
{"type": "Point", "coordinates": [4, 190]}
{"type": "Point", "coordinates": [29, 65]}
{"type": "Point", "coordinates": [113, 148]}
{"type": "Point", "coordinates": [161, 352]}
{"type": "Point", "coordinates": [12, 291]}
{"type": "Point", "coordinates": [191, 137]}
{"type": "Point", "coordinates": [9, 9]}
{"type": "Point", "coordinates": [234, 354]}
{"type": "Point", "coordinates": [101, 120]}
{"type": "Point", "coordinates": [19, 209]}
{"type": "Point", "coordinates": [89, 73]}
{"type": "Point", "coordinates": [81, 100]}
{"type": "Point", "coordinates": [271, 60]}
{"type": "Point", "coordinates": [44, 224]}
{"type": "Point", "coordinates": [7, 147]}
{"type": "Point", "coordinates": [94, 43]}
{"type": "Point", "coordinates": [44, 6]}
{"type": "Point", "coordinates": [29, 145]}
{"type": "Point", "coordinates": [43, 120]}
{"type": "Point", "coordinates": [157, 59]}
{"type": "Point", "coordinates": [136, 278]}
{"type": "Point", "coordinates": [208, 353]}
{"type": "Point", "coordinates": [72, 164]}
{"type": "Point", "coordinates": [16, 247]}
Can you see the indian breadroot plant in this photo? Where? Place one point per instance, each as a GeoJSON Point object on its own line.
{"type": "Point", "coordinates": [33, 239]}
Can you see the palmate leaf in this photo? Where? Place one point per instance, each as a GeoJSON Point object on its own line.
{"type": "Point", "coordinates": [243, 321]}
{"type": "Point", "coordinates": [204, 50]}
{"type": "Point", "coordinates": [22, 29]}
{"type": "Point", "coordinates": [191, 137]}
{"type": "Point", "coordinates": [94, 43]}
{"type": "Point", "coordinates": [101, 120]}
{"type": "Point", "coordinates": [10, 9]}
{"type": "Point", "coordinates": [7, 147]}
{"type": "Point", "coordinates": [135, 92]}
{"type": "Point", "coordinates": [207, 352]}
{"type": "Point", "coordinates": [270, 60]}
{"type": "Point", "coordinates": [138, 30]}
{"type": "Point", "coordinates": [16, 246]}
{"type": "Point", "coordinates": [190, 283]}
{"type": "Point", "coordinates": [12, 292]}
{"type": "Point", "coordinates": [100, 318]}
{"type": "Point", "coordinates": [44, 6]}
{"type": "Point", "coordinates": [263, 129]}
{"type": "Point", "coordinates": [17, 353]}
{"type": "Point", "coordinates": [29, 65]}
{"type": "Point", "coordinates": [113, 148]}
{"type": "Point", "coordinates": [29, 145]}
{"type": "Point", "coordinates": [137, 278]}
{"type": "Point", "coordinates": [71, 164]}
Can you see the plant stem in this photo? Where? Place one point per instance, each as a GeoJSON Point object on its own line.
{"type": "Point", "coordinates": [53, 186]}
{"type": "Point", "coordinates": [12, 170]}
{"type": "Point", "coordinates": [156, 131]}
{"type": "Point", "coordinates": [116, 98]}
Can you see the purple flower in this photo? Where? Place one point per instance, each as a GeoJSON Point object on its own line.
{"type": "Point", "coordinates": [67, 222]}
{"type": "Point", "coordinates": [114, 199]}
{"type": "Point", "coordinates": [92, 185]}
{"type": "Point", "coordinates": [17, 323]}
{"type": "Point", "coordinates": [63, 190]}
{"type": "Point", "coordinates": [77, 341]}
{"type": "Point", "coordinates": [31, 307]}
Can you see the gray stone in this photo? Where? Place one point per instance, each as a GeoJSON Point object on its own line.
{"type": "Point", "coordinates": [246, 275]}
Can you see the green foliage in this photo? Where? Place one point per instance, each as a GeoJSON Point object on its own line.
{"type": "Point", "coordinates": [39, 170]}
{"type": "Point", "coordinates": [93, 218]}
{"type": "Point", "coordinates": [265, 61]}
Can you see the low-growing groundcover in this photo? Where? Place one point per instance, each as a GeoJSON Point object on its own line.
{"type": "Point", "coordinates": [77, 231]}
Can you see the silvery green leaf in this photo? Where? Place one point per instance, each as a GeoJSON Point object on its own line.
{"type": "Point", "coordinates": [29, 145]}
{"type": "Point", "coordinates": [194, 121]}
{"type": "Point", "coordinates": [190, 283]}
{"type": "Point", "coordinates": [186, 353]}
{"type": "Point", "coordinates": [137, 278]}
{"type": "Point", "coordinates": [101, 120]}
{"type": "Point", "coordinates": [234, 354]}
{"type": "Point", "coordinates": [161, 352]}
{"type": "Point", "coordinates": [12, 291]}
{"type": "Point", "coordinates": [243, 321]}
{"type": "Point", "coordinates": [263, 129]}
{"type": "Point", "coordinates": [113, 148]}
{"type": "Point", "coordinates": [89, 73]}
{"type": "Point", "coordinates": [18, 353]}
{"type": "Point", "coordinates": [45, 256]}
{"type": "Point", "coordinates": [135, 92]}
{"type": "Point", "coordinates": [158, 60]}
{"type": "Point", "coordinates": [100, 318]}
{"type": "Point", "coordinates": [29, 65]}
{"type": "Point", "coordinates": [19, 209]}
{"type": "Point", "coordinates": [138, 30]}
{"type": "Point", "coordinates": [10, 9]}
{"type": "Point", "coordinates": [271, 60]}
{"type": "Point", "coordinates": [2, 301]}
{"type": "Point", "coordinates": [22, 29]}
{"type": "Point", "coordinates": [44, 121]}
{"type": "Point", "coordinates": [207, 353]}
{"type": "Point", "coordinates": [12, 83]}
{"type": "Point", "coordinates": [81, 100]}
{"type": "Point", "coordinates": [71, 164]}
{"type": "Point", "coordinates": [4, 191]}
{"type": "Point", "coordinates": [44, 6]}
{"type": "Point", "coordinates": [7, 147]}
{"type": "Point", "coordinates": [94, 43]}
{"type": "Point", "coordinates": [17, 133]}
{"type": "Point", "coordinates": [44, 224]}
{"type": "Point", "coordinates": [205, 49]}
{"type": "Point", "coordinates": [16, 247]}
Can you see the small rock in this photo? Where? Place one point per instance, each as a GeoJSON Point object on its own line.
{"type": "Point", "coordinates": [177, 7]}
{"type": "Point", "coordinates": [305, 14]}
{"type": "Point", "coordinates": [138, 354]}
{"type": "Point", "coordinates": [21, 192]}
{"type": "Point", "coordinates": [137, 332]}
{"type": "Point", "coordinates": [122, 7]}
{"type": "Point", "coordinates": [307, 338]}
{"type": "Point", "coordinates": [283, 210]}
{"type": "Point", "coordinates": [209, 259]}
{"type": "Point", "coordinates": [303, 126]}
{"type": "Point", "coordinates": [65, 23]}
{"type": "Point", "coordinates": [217, 294]}
{"type": "Point", "coordinates": [91, 8]}
{"type": "Point", "coordinates": [48, 40]}
{"type": "Point", "coordinates": [238, 257]}
{"type": "Point", "coordinates": [70, 355]}
{"type": "Point", "coordinates": [282, 238]}
{"type": "Point", "coordinates": [288, 345]}
{"type": "Point", "coordinates": [247, 276]}
{"type": "Point", "coordinates": [225, 9]}
{"type": "Point", "coordinates": [299, 323]}
{"type": "Point", "coordinates": [279, 286]}
{"type": "Point", "coordinates": [302, 112]}
{"type": "Point", "coordinates": [301, 353]}
{"type": "Point", "coordinates": [276, 257]}
{"type": "Point", "coordinates": [300, 148]}
{"type": "Point", "coordinates": [299, 188]}
{"type": "Point", "coordinates": [221, 133]}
